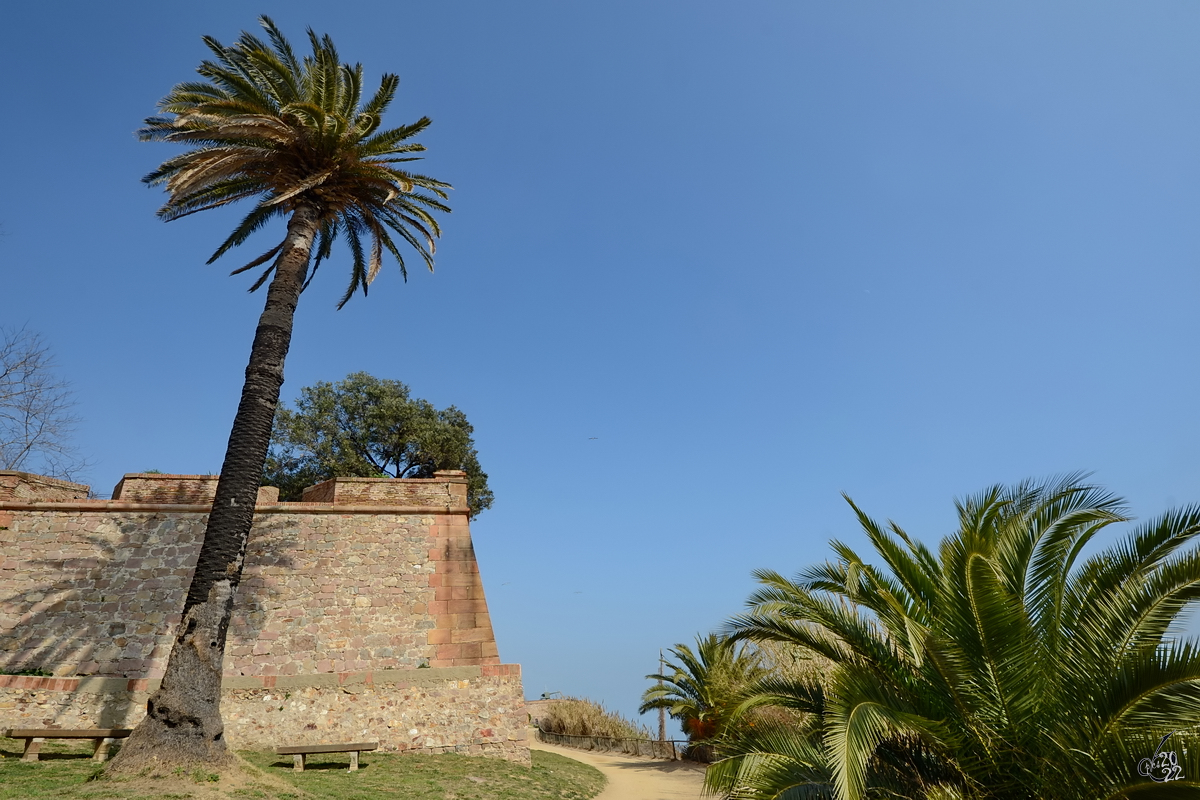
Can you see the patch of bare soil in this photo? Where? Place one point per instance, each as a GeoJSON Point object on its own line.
{"type": "Point", "coordinates": [200, 784]}
{"type": "Point", "coordinates": [634, 778]}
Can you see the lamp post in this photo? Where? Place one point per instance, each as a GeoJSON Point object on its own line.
{"type": "Point", "coordinates": [662, 712]}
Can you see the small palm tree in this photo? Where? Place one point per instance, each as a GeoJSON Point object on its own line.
{"type": "Point", "coordinates": [703, 688]}
{"type": "Point", "coordinates": [298, 136]}
{"type": "Point", "coordinates": [1005, 664]}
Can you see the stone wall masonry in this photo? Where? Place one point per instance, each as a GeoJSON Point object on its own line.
{"type": "Point", "coordinates": [447, 489]}
{"type": "Point", "coordinates": [91, 592]}
{"type": "Point", "coordinates": [381, 579]}
{"type": "Point", "coordinates": [473, 710]}
{"type": "Point", "coordinates": [160, 488]}
{"type": "Point", "coordinates": [26, 486]}
{"type": "Point", "coordinates": [156, 487]}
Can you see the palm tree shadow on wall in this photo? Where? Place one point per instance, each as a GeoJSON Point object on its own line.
{"type": "Point", "coordinates": [271, 540]}
{"type": "Point", "coordinates": [37, 634]}
{"type": "Point", "coordinates": [109, 614]}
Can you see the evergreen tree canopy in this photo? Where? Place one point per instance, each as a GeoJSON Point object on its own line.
{"type": "Point", "coordinates": [367, 427]}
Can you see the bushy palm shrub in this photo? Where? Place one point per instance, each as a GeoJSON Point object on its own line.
{"type": "Point", "coordinates": [702, 687]}
{"type": "Point", "coordinates": [1008, 663]}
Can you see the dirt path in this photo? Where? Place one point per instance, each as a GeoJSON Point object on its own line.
{"type": "Point", "coordinates": [633, 778]}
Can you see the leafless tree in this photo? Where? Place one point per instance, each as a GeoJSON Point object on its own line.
{"type": "Point", "coordinates": [37, 416]}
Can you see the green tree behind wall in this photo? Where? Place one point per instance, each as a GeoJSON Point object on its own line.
{"type": "Point", "coordinates": [367, 427]}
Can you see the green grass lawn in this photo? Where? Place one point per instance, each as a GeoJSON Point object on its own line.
{"type": "Point", "coordinates": [65, 768]}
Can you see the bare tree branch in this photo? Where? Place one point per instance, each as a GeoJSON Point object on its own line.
{"type": "Point", "coordinates": [37, 418]}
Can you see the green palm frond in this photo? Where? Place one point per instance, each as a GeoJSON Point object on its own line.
{"type": "Point", "coordinates": [1001, 665]}
{"type": "Point", "coordinates": [773, 761]}
{"type": "Point", "coordinates": [291, 132]}
{"type": "Point", "coordinates": [703, 686]}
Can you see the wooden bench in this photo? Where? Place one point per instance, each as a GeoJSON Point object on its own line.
{"type": "Point", "coordinates": [34, 736]}
{"type": "Point", "coordinates": [298, 752]}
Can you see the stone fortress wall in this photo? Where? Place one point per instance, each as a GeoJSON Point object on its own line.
{"type": "Point", "coordinates": [361, 612]}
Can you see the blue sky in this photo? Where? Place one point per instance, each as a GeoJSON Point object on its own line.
{"type": "Point", "coordinates": [764, 252]}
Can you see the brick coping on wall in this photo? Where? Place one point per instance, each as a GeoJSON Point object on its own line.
{"type": "Point", "coordinates": [281, 508]}
{"type": "Point", "coordinates": [411, 677]}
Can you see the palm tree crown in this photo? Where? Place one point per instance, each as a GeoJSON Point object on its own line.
{"type": "Point", "coordinates": [296, 132]}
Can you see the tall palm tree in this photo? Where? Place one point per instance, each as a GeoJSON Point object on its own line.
{"type": "Point", "coordinates": [1007, 664]}
{"type": "Point", "coordinates": [296, 135]}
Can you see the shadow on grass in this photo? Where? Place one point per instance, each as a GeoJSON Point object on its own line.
{"type": "Point", "coordinates": [44, 756]}
{"type": "Point", "coordinates": [51, 751]}
{"type": "Point", "coordinates": [322, 766]}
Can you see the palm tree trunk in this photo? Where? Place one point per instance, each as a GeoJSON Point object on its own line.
{"type": "Point", "coordinates": [183, 718]}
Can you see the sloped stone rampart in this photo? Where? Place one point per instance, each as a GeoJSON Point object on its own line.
{"type": "Point", "coordinates": [356, 584]}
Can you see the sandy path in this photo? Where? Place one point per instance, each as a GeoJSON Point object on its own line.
{"type": "Point", "coordinates": [633, 778]}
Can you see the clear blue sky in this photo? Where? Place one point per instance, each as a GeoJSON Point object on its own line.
{"type": "Point", "coordinates": [764, 252]}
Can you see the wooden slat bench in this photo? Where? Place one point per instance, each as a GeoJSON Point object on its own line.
{"type": "Point", "coordinates": [33, 739]}
{"type": "Point", "coordinates": [299, 752]}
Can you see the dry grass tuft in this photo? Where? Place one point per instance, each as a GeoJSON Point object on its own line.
{"type": "Point", "coordinates": [573, 716]}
